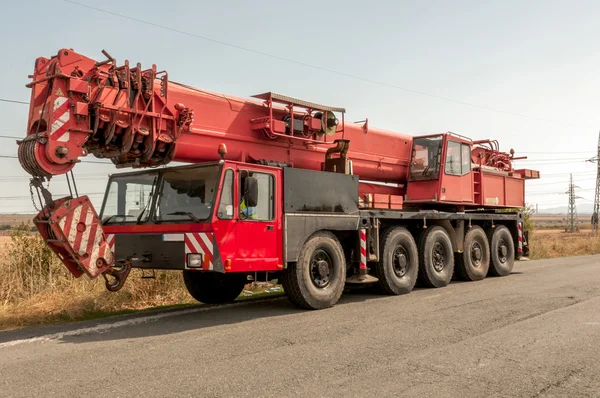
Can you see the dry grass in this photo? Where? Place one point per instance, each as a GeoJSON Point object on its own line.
{"type": "Point", "coordinates": [561, 244]}
{"type": "Point", "coordinates": [35, 288]}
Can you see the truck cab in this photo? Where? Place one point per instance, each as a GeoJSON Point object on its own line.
{"type": "Point", "coordinates": [221, 216]}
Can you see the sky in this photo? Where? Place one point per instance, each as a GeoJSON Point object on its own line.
{"type": "Point", "coordinates": [524, 73]}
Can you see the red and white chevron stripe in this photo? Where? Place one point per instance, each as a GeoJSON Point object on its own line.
{"type": "Point", "coordinates": [61, 116]}
{"type": "Point", "coordinates": [520, 229]}
{"type": "Point", "coordinates": [110, 239]}
{"type": "Point", "coordinates": [84, 234]}
{"type": "Point", "coordinates": [200, 242]}
{"type": "Point", "coordinates": [363, 249]}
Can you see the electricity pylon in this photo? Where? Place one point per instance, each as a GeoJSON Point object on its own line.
{"type": "Point", "coordinates": [572, 216]}
{"type": "Point", "coordinates": [596, 211]}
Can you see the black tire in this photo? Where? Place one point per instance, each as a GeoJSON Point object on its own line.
{"type": "Point", "coordinates": [474, 261]}
{"type": "Point", "coordinates": [436, 257]}
{"type": "Point", "coordinates": [214, 287]}
{"type": "Point", "coordinates": [502, 251]}
{"type": "Point", "coordinates": [398, 267]}
{"type": "Point", "coordinates": [316, 281]}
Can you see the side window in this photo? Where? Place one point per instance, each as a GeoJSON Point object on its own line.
{"type": "Point", "coordinates": [264, 209]}
{"type": "Point", "coordinates": [466, 159]}
{"type": "Point", "coordinates": [453, 163]}
{"type": "Point", "coordinates": [226, 204]}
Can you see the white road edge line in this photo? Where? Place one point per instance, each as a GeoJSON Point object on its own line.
{"type": "Point", "coordinates": [129, 322]}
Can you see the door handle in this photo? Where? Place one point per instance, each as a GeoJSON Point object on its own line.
{"type": "Point", "coordinates": [270, 228]}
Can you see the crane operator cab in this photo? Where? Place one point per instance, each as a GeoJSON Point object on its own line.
{"type": "Point", "coordinates": [440, 170]}
{"type": "Point", "coordinates": [451, 169]}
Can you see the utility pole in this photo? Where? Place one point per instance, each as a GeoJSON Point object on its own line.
{"type": "Point", "coordinates": [572, 216]}
{"type": "Point", "coordinates": [596, 211]}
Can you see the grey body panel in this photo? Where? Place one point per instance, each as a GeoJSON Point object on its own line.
{"type": "Point", "coordinates": [319, 192]}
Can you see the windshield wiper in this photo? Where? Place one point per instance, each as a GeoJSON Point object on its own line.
{"type": "Point", "coordinates": [117, 215]}
{"type": "Point", "coordinates": [148, 202]}
{"type": "Point", "coordinates": [185, 213]}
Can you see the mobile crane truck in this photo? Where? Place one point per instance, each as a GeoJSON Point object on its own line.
{"type": "Point", "coordinates": [278, 188]}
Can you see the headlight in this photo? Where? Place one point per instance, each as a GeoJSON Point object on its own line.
{"type": "Point", "coordinates": [194, 260]}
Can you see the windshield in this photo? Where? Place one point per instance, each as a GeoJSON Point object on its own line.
{"type": "Point", "coordinates": [187, 194]}
{"type": "Point", "coordinates": [425, 162]}
{"type": "Point", "coordinates": [128, 198]}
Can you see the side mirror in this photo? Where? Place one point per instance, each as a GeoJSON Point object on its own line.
{"type": "Point", "coordinates": [251, 191]}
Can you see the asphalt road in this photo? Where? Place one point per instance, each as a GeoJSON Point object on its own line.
{"type": "Point", "coordinates": [535, 333]}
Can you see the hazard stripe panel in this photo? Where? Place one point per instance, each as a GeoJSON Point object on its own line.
{"type": "Point", "coordinates": [200, 243]}
{"type": "Point", "coordinates": [363, 248]}
{"type": "Point", "coordinates": [81, 231]}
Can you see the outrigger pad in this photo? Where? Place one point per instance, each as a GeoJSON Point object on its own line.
{"type": "Point", "coordinates": [74, 232]}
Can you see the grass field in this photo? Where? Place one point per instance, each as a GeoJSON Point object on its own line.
{"type": "Point", "coordinates": [559, 221]}
{"type": "Point", "coordinates": [35, 288]}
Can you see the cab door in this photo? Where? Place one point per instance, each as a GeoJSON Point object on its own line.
{"type": "Point", "coordinates": [258, 229]}
{"type": "Point", "coordinates": [457, 180]}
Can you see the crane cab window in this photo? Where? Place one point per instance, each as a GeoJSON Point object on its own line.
{"type": "Point", "coordinates": [458, 159]}
{"type": "Point", "coordinates": [265, 205]}
{"type": "Point", "coordinates": [425, 160]}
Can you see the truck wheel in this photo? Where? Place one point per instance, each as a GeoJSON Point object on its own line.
{"type": "Point", "coordinates": [436, 257]}
{"type": "Point", "coordinates": [214, 287]}
{"type": "Point", "coordinates": [474, 261]}
{"type": "Point", "coordinates": [317, 279]}
{"type": "Point", "coordinates": [502, 251]}
{"type": "Point", "coordinates": [398, 267]}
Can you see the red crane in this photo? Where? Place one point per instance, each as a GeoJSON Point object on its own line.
{"type": "Point", "coordinates": [309, 175]}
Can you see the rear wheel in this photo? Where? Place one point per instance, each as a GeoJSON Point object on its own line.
{"type": "Point", "coordinates": [436, 257]}
{"type": "Point", "coordinates": [316, 281]}
{"type": "Point", "coordinates": [398, 267]}
{"type": "Point", "coordinates": [474, 261]}
{"type": "Point", "coordinates": [502, 251]}
{"type": "Point", "coordinates": [214, 287]}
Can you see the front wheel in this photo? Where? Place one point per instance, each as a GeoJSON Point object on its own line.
{"type": "Point", "coordinates": [316, 281]}
{"type": "Point", "coordinates": [214, 287]}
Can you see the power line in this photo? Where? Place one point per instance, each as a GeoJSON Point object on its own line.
{"type": "Point", "coordinates": [83, 161]}
{"type": "Point", "coordinates": [14, 101]}
{"type": "Point", "coordinates": [551, 159]}
{"type": "Point", "coordinates": [55, 195]}
{"type": "Point", "coordinates": [321, 68]}
{"type": "Point", "coordinates": [554, 153]}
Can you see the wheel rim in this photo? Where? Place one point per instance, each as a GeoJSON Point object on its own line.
{"type": "Point", "coordinates": [400, 261]}
{"type": "Point", "coordinates": [502, 251]}
{"type": "Point", "coordinates": [476, 254]}
{"type": "Point", "coordinates": [321, 269]}
{"type": "Point", "coordinates": [439, 257]}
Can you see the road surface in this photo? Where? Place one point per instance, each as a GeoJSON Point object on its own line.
{"type": "Point", "coordinates": [535, 333]}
